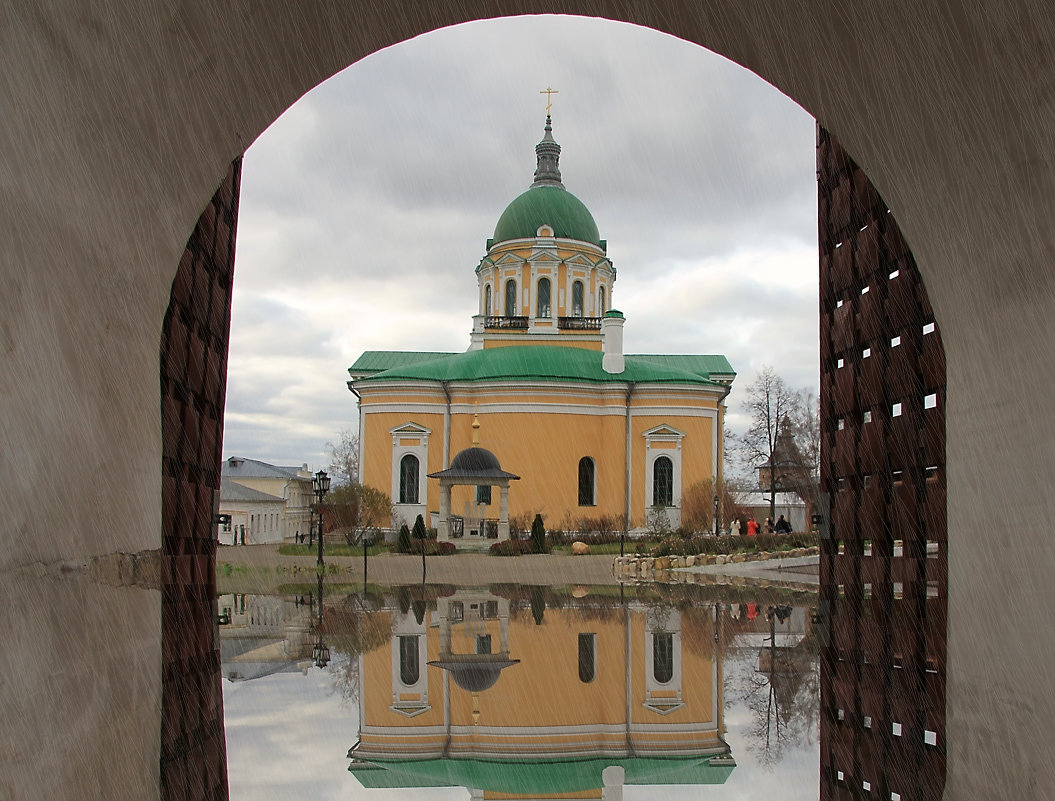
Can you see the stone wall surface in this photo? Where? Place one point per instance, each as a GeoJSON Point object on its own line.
{"type": "Point", "coordinates": [884, 556]}
{"type": "Point", "coordinates": [120, 120]}
{"type": "Point", "coordinates": [194, 344]}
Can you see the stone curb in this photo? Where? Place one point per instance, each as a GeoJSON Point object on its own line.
{"type": "Point", "coordinates": [673, 568]}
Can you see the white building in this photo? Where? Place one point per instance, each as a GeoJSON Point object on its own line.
{"type": "Point", "coordinates": [267, 503]}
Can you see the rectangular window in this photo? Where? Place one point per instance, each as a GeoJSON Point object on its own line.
{"type": "Point", "coordinates": [409, 667]}
{"type": "Point", "coordinates": [587, 657]}
{"type": "Point", "coordinates": [483, 643]}
{"type": "Point", "coordinates": [483, 495]}
{"type": "Point", "coordinates": [663, 657]}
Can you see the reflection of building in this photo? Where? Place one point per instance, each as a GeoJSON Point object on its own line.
{"type": "Point", "coordinates": [261, 635]}
{"type": "Point", "coordinates": [590, 431]}
{"type": "Point", "coordinates": [266, 503]}
{"type": "Point", "coordinates": [481, 695]}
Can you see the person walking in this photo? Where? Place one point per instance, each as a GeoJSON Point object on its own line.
{"type": "Point", "coordinates": [734, 528]}
{"type": "Point", "coordinates": [783, 526]}
{"type": "Point", "coordinates": [752, 527]}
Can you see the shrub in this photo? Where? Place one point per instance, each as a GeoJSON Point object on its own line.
{"type": "Point", "coordinates": [519, 525]}
{"type": "Point", "coordinates": [403, 541]}
{"type": "Point", "coordinates": [512, 547]}
{"type": "Point", "coordinates": [538, 535]}
{"type": "Point", "coordinates": [433, 548]}
{"type": "Point", "coordinates": [701, 544]}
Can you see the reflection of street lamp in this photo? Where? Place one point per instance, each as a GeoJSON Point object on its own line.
{"type": "Point", "coordinates": [320, 485]}
{"type": "Point", "coordinates": [320, 654]}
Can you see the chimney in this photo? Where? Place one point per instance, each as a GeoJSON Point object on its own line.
{"type": "Point", "coordinates": [612, 341]}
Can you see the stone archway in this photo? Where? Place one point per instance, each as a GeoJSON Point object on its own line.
{"type": "Point", "coordinates": [119, 125]}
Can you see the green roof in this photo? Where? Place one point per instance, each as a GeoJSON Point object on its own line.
{"type": "Point", "coordinates": [537, 777]}
{"type": "Point", "coordinates": [540, 362]}
{"type": "Point", "coordinates": [705, 365]}
{"type": "Point", "coordinates": [375, 361]}
{"type": "Point", "coordinates": [547, 205]}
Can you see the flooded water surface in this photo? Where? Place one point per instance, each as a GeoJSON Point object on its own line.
{"type": "Point", "coordinates": [517, 691]}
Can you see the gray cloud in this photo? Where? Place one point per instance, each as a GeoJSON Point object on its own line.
{"type": "Point", "coordinates": [367, 206]}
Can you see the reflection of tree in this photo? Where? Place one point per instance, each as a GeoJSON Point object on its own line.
{"type": "Point", "coordinates": [781, 687]}
{"type": "Point", "coordinates": [351, 630]}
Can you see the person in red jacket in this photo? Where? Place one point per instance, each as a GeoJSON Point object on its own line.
{"type": "Point", "coordinates": [752, 527]}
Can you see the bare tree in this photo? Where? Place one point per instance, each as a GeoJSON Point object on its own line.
{"type": "Point", "coordinates": [769, 405]}
{"type": "Point", "coordinates": [782, 444]}
{"type": "Point", "coordinates": [801, 452]}
{"type": "Point", "coordinates": [358, 511]}
{"type": "Point", "coordinates": [344, 456]}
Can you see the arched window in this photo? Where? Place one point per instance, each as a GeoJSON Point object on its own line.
{"type": "Point", "coordinates": [600, 303]}
{"type": "Point", "coordinates": [408, 479]}
{"type": "Point", "coordinates": [587, 476]}
{"type": "Point", "coordinates": [663, 482]}
{"type": "Point", "coordinates": [663, 656]}
{"type": "Point", "coordinates": [511, 298]}
{"type": "Point", "coordinates": [409, 666]}
{"type": "Point", "coordinates": [487, 300]}
{"type": "Point", "coordinates": [543, 297]}
{"type": "Point", "coordinates": [587, 657]}
{"type": "Point", "coordinates": [576, 299]}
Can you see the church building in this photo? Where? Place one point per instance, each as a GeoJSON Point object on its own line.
{"type": "Point", "coordinates": [583, 433]}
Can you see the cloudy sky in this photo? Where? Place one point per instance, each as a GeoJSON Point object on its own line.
{"type": "Point", "coordinates": [366, 207]}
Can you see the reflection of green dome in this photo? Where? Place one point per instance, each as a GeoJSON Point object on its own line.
{"type": "Point", "coordinates": [547, 205]}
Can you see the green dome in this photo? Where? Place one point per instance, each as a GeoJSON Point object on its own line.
{"type": "Point", "coordinates": [547, 205]}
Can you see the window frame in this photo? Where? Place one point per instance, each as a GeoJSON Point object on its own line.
{"type": "Point", "coordinates": [578, 299]}
{"type": "Point", "coordinates": [588, 461]}
{"type": "Point", "coordinates": [404, 482]}
{"type": "Point", "coordinates": [543, 304]}
{"type": "Point", "coordinates": [660, 499]}
{"type": "Point", "coordinates": [587, 673]}
{"type": "Point", "coordinates": [510, 306]}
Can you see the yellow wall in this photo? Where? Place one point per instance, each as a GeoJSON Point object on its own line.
{"type": "Point", "coordinates": [548, 672]}
{"type": "Point", "coordinates": [543, 447]}
{"type": "Point", "coordinates": [574, 339]}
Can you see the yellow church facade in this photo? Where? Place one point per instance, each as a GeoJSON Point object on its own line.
{"type": "Point", "coordinates": [516, 705]}
{"type": "Point", "coordinates": [590, 431]}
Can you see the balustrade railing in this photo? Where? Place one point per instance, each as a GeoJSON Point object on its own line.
{"type": "Point", "coordinates": [506, 322]}
{"type": "Point", "coordinates": [579, 323]}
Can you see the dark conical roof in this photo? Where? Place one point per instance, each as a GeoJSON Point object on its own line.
{"type": "Point", "coordinates": [475, 460]}
{"type": "Point", "coordinates": [474, 673]}
{"type": "Point", "coordinates": [475, 463]}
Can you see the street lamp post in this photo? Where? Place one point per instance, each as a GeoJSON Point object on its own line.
{"type": "Point", "coordinates": [716, 515]}
{"type": "Point", "coordinates": [321, 485]}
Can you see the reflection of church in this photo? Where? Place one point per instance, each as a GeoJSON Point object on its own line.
{"type": "Point", "coordinates": [591, 432]}
{"type": "Point", "coordinates": [518, 701]}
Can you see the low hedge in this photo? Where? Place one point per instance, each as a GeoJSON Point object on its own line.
{"type": "Point", "coordinates": [511, 548]}
{"type": "Point", "coordinates": [433, 548]}
{"type": "Point", "coordinates": [686, 546]}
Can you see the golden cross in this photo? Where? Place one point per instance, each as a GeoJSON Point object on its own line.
{"type": "Point", "coordinates": [548, 92]}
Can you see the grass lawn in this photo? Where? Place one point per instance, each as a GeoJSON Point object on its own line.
{"type": "Point", "coordinates": [605, 548]}
{"type": "Point", "coordinates": [288, 549]}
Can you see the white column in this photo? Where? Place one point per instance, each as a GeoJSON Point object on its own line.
{"type": "Point", "coordinates": [613, 778]}
{"type": "Point", "coordinates": [503, 512]}
{"type": "Point", "coordinates": [443, 530]}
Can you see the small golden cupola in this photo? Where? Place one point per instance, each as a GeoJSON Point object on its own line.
{"type": "Point", "coordinates": [546, 278]}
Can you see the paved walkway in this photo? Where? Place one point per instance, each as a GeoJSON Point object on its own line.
{"type": "Point", "coordinates": [468, 568]}
{"type": "Point", "coordinates": [481, 568]}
